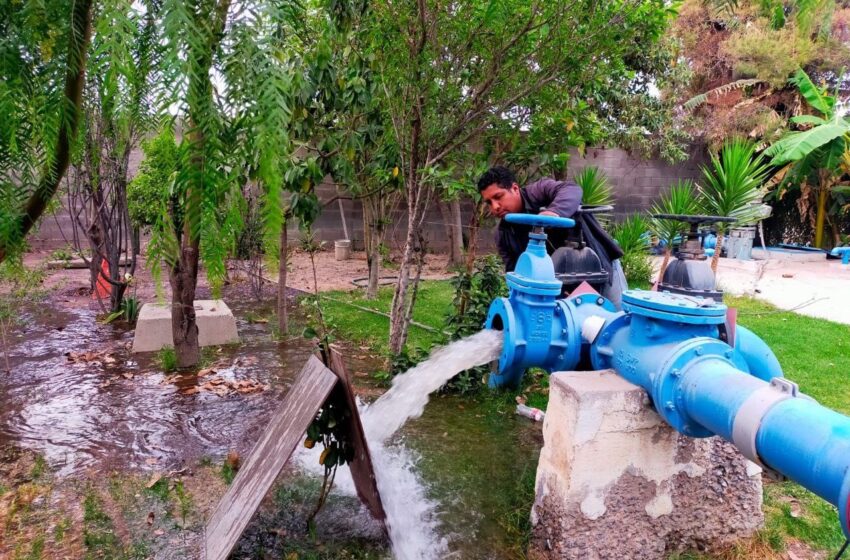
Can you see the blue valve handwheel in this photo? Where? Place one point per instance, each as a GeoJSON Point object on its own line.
{"type": "Point", "coordinates": [537, 220]}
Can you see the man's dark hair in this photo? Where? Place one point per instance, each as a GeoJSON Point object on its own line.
{"type": "Point", "coordinates": [502, 176]}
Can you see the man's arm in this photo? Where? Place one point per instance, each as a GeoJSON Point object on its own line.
{"type": "Point", "coordinates": [562, 198]}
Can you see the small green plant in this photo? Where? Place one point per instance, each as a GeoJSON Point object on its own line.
{"type": "Point", "coordinates": [331, 428]}
{"type": "Point", "coordinates": [474, 291]}
{"type": "Point", "coordinates": [39, 467]}
{"type": "Point", "coordinates": [129, 311]}
{"type": "Point", "coordinates": [228, 472]}
{"type": "Point", "coordinates": [167, 359]}
{"type": "Point", "coordinates": [631, 235]}
{"type": "Point", "coordinates": [64, 254]}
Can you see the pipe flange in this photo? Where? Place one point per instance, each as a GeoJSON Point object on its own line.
{"type": "Point", "coordinates": [750, 414]}
{"type": "Point", "coordinates": [668, 392]}
{"type": "Point", "coordinates": [501, 317]}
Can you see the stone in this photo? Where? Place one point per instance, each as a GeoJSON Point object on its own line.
{"type": "Point", "coordinates": [216, 325]}
{"type": "Point", "coordinates": [615, 481]}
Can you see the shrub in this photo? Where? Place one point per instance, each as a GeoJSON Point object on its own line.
{"type": "Point", "coordinates": [631, 235]}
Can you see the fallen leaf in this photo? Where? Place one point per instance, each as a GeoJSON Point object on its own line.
{"type": "Point", "coordinates": [151, 517]}
{"type": "Point", "coordinates": [206, 371]}
{"type": "Point", "coordinates": [191, 391]}
{"type": "Point", "coordinates": [127, 375]}
{"type": "Point", "coordinates": [154, 479]}
{"type": "Point", "coordinates": [233, 460]}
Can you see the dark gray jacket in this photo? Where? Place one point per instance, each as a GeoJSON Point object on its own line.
{"type": "Point", "coordinates": [563, 198]}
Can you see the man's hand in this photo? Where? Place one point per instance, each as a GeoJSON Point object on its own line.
{"type": "Point", "coordinates": [547, 213]}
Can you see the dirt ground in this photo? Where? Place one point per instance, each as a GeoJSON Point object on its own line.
{"type": "Point", "coordinates": [331, 274]}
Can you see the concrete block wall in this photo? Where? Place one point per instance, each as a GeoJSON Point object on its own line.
{"type": "Point", "coordinates": [636, 184]}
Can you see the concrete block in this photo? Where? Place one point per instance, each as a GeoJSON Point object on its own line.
{"type": "Point", "coordinates": [615, 481]}
{"type": "Point", "coordinates": [216, 325]}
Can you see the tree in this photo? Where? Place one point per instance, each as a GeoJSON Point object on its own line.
{"type": "Point", "coordinates": [235, 131]}
{"type": "Point", "coordinates": [742, 53]}
{"type": "Point", "coordinates": [731, 187]}
{"type": "Point", "coordinates": [816, 157]}
{"type": "Point", "coordinates": [450, 72]}
{"type": "Point", "coordinates": [40, 117]}
{"type": "Point", "coordinates": [117, 113]}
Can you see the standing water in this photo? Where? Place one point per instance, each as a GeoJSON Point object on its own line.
{"type": "Point", "coordinates": [411, 519]}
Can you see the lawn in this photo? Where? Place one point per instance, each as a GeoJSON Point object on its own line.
{"type": "Point", "coordinates": [345, 318]}
{"type": "Point", "coordinates": [814, 353]}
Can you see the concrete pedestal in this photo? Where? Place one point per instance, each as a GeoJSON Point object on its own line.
{"type": "Point", "coordinates": [216, 325]}
{"type": "Point", "coordinates": [615, 481]}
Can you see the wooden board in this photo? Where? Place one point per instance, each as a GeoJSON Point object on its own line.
{"type": "Point", "coordinates": [362, 471]}
{"type": "Point", "coordinates": [285, 431]}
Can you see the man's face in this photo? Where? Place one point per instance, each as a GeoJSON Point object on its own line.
{"type": "Point", "coordinates": [502, 201]}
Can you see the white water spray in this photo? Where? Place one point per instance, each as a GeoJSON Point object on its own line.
{"type": "Point", "coordinates": [411, 516]}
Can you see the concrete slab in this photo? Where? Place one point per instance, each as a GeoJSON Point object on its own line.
{"type": "Point", "coordinates": [615, 481]}
{"type": "Point", "coordinates": [216, 325]}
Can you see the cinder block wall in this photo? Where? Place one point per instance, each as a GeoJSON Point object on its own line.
{"type": "Point", "coordinates": [636, 183]}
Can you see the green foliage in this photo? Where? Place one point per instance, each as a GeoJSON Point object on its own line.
{"type": "Point", "coordinates": [771, 55]}
{"type": "Point", "coordinates": [34, 60]}
{"type": "Point", "coordinates": [151, 191]}
{"type": "Point", "coordinates": [473, 294]}
{"type": "Point", "coordinates": [732, 183]}
{"type": "Point", "coordinates": [680, 199]}
{"type": "Point", "coordinates": [631, 236]}
{"type": "Point", "coordinates": [596, 191]}
{"type": "Point", "coordinates": [167, 359]}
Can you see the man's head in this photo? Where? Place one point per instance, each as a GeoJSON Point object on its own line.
{"type": "Point", "coordinates": [499, 189]}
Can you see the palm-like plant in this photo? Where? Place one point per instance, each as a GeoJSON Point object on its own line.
{"type": "Point", "coordinates": [595, 190]}
{"type": "Point", "coordinates": [732, 187]}
{"type": "Point", "coordinates": [814, 158]}
{"type": "Point", "coordinates": [680, 199]}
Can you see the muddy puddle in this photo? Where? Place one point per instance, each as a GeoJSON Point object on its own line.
{"type": "Point", "coordinates": [78, 396]}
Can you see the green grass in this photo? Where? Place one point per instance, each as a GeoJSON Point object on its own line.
{"type": "Point", "coordinates": [99, 534]}
{"type": "Point", "coordinates": [814, 353]}
{"type": "Point", "coordinates": [433, 304]}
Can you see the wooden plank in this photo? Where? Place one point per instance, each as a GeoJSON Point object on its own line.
{"type": "Point", "coordinates": [284, 432]}
{"type": "Point", "coordinates": [362, 470]}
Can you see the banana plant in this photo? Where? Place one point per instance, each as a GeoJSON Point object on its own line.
{"type": "Point", "coordinates": [680, 199]}
{"type": "Point", "coordinates": [815, 155]}
{"type": "Point", "coordinates": [731, 186]}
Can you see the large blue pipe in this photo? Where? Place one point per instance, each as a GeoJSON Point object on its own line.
{"type": "Point", "coordinates": [674, 346]}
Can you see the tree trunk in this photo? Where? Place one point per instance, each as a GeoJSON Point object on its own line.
{"type": "Point", "coordinates": [667, 252]}
{"type": "Point", "coordinates": [399, 321]}
{"type": "Point", "coordinates": [456, 227]}
{"type": "Point", "coordinates": [373, 237]}
{"type": "Point", "coordinates": [282, 317]}
{"type": "Point", "coordinates": [717, 248]}
{"type": "Point", "coordinates": [74, 81]}
{"type": "Point", "coordinates": [823, 196]}
{"type": "Point", "coordinates": [472, 248]}
{"type": "Point", "coordinates": [184, 328]}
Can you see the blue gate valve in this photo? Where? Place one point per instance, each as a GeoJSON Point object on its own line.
{"type": "Point", "coordinates": [532, 332]}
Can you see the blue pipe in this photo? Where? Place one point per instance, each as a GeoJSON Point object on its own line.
{"type": "Point", "coordinates": [760, 358]}
{"type": "Point", "coordinates": [797, 437]}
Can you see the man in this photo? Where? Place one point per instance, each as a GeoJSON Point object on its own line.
{"type": "Point", "coordinates": [547, 197]}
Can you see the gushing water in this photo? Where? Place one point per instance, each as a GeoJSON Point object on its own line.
{"type": "Point", "coordinates": [410, 391]}
{"type": "Point", "coordinates": [411, 515]}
